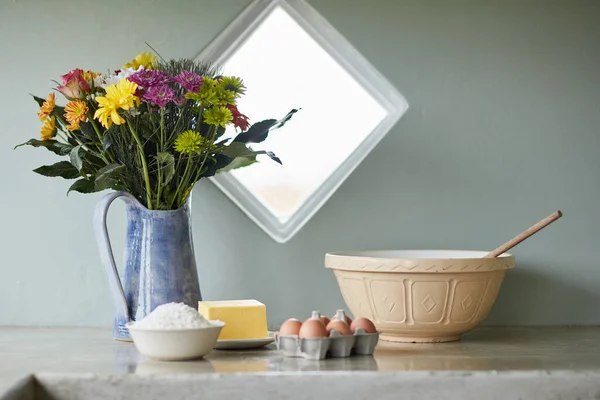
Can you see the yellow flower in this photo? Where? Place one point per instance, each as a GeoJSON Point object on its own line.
{"type": "Point", "coordinates": [229, 89]}
{"type": "Point", "coordinates": [225, 96]}
{"type": "Point", "coordinates": [123, 94]}
{"type": "Point", "coordinates": [75, 112]}
{"type": "Point", "coordinates": [219, 116]}
{"type": "Point", "coordinates": [143, 59]}
{"type": "Point", "coordinates": [89, 76]}
{"type": "Point", "coordinates": [207, 94]}
{"type": "Point", "coordinates": [47, 108]}
{"type": "Point", "coordinates": [48, 130]}
{"type": "Point", "coordinates": [189, 142]}
{"type": "Point", "coordinates": [119, 96]}
{"type": "Point", "coordinates": [233, 84]}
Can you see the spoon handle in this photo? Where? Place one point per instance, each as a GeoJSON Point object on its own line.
{"type": "Point", "coordinates": [524, 235]}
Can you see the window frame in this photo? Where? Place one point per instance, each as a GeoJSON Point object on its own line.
{"type": "Point", "coordinates": [234, 36]}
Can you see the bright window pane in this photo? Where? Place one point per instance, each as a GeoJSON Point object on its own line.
{"type": "Point", "coordinates": [284, 68]}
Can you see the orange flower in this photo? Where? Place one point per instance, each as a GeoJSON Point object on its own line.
{"type": "Point", "coordinates": [47, 108]}
{"type": "Point", "coordinates": [48, 131]}
{"type": "Point", "coordinates": [75, 112]}
{"type": "Point", "coordinates": [74, 126]}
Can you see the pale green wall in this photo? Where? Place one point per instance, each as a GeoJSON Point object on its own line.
{"type": "Point", "coordinates": [503, 128]}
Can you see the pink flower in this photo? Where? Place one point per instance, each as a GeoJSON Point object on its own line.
{"type": "Point", "coordinates": [190, 81]}
{"type": "Point", "coordinates": [74, 84]}
{"type": "Point", "coordinates": [159, 95]}
{"type": "Point", "coordinates": [147, 78]}
{"type": "Point", "coordinates": [179, 100]}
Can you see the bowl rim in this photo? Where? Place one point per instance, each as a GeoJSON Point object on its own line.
{"type": "Point", "coordinates": [369, 261]}
{"type": "Point", "coordinates": [365, 254]}
{"type": "Point", "coordinates": [215, 324]}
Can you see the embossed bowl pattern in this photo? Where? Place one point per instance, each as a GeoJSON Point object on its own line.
{"type": "Point", "coordinates": [420, 295]}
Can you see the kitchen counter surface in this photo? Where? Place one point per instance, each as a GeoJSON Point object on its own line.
{"type": "Point", "coordinates": [68, 362]}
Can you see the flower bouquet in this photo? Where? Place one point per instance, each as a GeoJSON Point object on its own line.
{"type": "Point", "coordinates": [149, 131]}
{"type": "Point", "coordinates": [152, 129]}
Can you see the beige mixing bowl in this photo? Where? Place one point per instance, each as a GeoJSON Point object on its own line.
{"type": "Point", "coordinates": [420, 295]}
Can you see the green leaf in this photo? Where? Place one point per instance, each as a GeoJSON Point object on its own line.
{"type": "Point", "coordinates": [75, 156]}
{"type": "Point", "coordinates": [216, 163]}
{"type": "Point", "coordinates": [259, 131]}
{"type": "Point", "coordinates": [219, 132]}
{"type": "Point", "coordinates": [256, 133]}
{"type": "Point", "coordinates": [64, 169]}
{"type": "Point", "coordinates": [109, 177]}
{"type": "Point", "coordinates": [285, 119]}
{"type": "Point", "coordinates": [82, 186]}
{"type": "Point", "coordinates": [271, 155]}
{"type": "Point", "coordinates": [238, 162]}
{"type": "Point", "coordinates": [110, 170]}
{"type": "Point", "coordinates": [87, 130]}
{"type": "Point", "coordinates": [166, 164]}
{"type": "Point", "coordinates": [59, 114]}
{"type": "Point", "coordinates": [62, 149]}
{"type": "Point", "coordinates": [222, 142]}
{"type": "Point", "coordinates": [92, 163]}
{"type": "Point", "coordinates": [38, 100]}
{"type": "Point", "coordinates": [237, 149]}
{"type": "Point", "coordinates": [106, 142]}
{"type": "Point", "coordinates": [239, 155]}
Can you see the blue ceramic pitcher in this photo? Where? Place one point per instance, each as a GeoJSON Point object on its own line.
{"type": "Point", "coordinates": [159, 262]}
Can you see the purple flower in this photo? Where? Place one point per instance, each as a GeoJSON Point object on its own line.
{"type": "Point", "coordinates": [189, 80]}
{"type": "Point", "coordinates": [180, 100]}
{"type": "Point", "coordinates": [159, 95]}
{"type": "Point", "coordinates": [148, 78]}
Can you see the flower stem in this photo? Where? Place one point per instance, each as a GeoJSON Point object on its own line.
{"type": "Point", "coordinates": [179, 119]}
{"type": "Point", "coordinates": [183, 179]}
{"type": "Point", "coordinates": [59, 134]}
{"type": "Point", "coordinates": [162, 146]}
{"type": "Point", "coordinates": [70, 134]}
{"type": "Point", "coordinates": [86, 148]}
{"type": "Point", "coordinates": [144, 165]}
{"type": "Point", "coordinates": [102, 152]}
{"type": "Point", "coordinates": [210, 143]}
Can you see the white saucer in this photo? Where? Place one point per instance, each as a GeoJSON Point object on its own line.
{"type": "Point", "coordinates": [243, 343]}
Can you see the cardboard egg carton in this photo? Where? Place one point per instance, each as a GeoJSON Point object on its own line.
{"type": "Point", "coordinates": [336, 345]}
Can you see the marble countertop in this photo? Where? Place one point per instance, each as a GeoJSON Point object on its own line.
{"type": "Point", "coordinates": [552, 356]}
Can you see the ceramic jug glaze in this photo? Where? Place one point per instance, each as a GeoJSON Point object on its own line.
{"type": "Point", "coordinates": [159, 262]}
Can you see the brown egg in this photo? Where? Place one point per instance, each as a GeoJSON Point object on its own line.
{"type": "Point", "coordinates": [348, 319]}
{"type": "Point", "coordinates": [290, 327]}
{"type": "Point", "coordinates": [364, 324]}
{"type": "Point", "coordinates": [339, 326]}
{"type": "Point", "coordinates": [325, 320]}
{"type": "Point", "coordinates": [314, 315]}
{"type": "Point", "coordinates": [313, 328]}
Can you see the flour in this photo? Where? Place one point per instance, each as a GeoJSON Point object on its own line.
{"type": "Point", "coordinates": [173, 316]}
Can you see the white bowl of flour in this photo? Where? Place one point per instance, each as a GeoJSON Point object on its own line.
{"type": "Point", "coordinates": [175, 332]}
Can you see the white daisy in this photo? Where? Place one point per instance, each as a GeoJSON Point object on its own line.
{"type": "Point", "coordinates": [114, 79]}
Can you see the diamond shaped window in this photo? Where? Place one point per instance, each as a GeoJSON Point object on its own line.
{"type": "Point", "coordinates": [290, 57]}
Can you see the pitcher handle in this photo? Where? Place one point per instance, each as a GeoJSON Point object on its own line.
{"type": "Point", "coordinates": [106, 253]}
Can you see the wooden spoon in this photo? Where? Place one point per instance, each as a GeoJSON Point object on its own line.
{"type": "Point", "coordinates": [525, 234]}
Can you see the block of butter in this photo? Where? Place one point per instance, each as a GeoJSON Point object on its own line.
{"type": "Point", "coordinates": [244, 319]}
